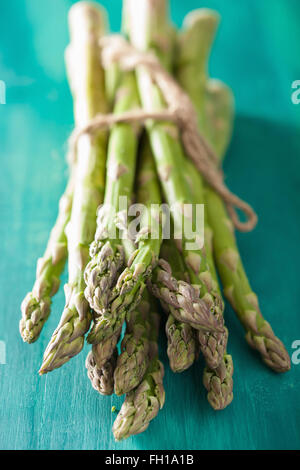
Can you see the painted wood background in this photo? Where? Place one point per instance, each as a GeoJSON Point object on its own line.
{"type": "Point", "coordinates": [256, 53]}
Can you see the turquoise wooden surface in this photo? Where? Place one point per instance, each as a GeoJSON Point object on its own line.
{"type": "Point", "coordinates": [256, 53]}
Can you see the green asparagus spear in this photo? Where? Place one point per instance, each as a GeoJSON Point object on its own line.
{"type": "Point", "coordinates": [102, 379]}
{"type": "Point", "coordinates": [193, 49]}
{"type": "Point", "coordinates": [113, 77]}
{"type": "Point", "coordinates": [104, 350]}
{"type": "Point", "coordinates": [182, 344]}
{"type": "Point", "coordinates": [87, 84]}
{"type": "Point", "coordinates": [218, 382]}
{"type": "Point", "coordinates": [219, 112]}
{"type": "Point", "coordinates": [181, 340]}
{"type": "Point", "coordinates": [192, 53]}
{"type": "Point", "coordinates": [149, 31]}
{"type": "Point", "coordinates": [107, 253]}
{"type": "Point", "coordinates": [217, 376]}
{"type": "Point", "coordinates": [219, 396]}
{"type": "Point", "coordinates": [234, 279]}
{"type": "Point", "coordinates": [134, 358]}
{"type": "Point", "coordinates": [126, 295]}
{"type": "Point", "coordinates": [182, 298]}
{"type": "Point", "coordinates": [36, 305]}
{"type": "Point", "coordinates": [133, 361]}
{"type": "Point", "coordinates": [142, 404]}
{"type": "Point", "coordinates": [237, 289]}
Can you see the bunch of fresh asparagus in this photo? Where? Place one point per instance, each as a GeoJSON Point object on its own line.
{"type": "Point", "coordinates": [114, 277]}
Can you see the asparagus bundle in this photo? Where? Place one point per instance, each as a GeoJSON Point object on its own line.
{"type": "Point", "coordinates": [131, 282]}
{"type": "Point", "coordinates": [87, 84]}
{"type": "Point", "coordinates": [107, 272]}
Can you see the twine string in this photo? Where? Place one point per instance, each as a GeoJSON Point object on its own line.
{"type": "Point", "coordinates": [179, 110]}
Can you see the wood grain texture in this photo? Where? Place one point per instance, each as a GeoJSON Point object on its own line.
{"type": "Point", "coordinates": [60, 410]}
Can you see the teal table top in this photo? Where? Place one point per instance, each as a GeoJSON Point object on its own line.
{"type": "Point", "coordinates": [256, 53]}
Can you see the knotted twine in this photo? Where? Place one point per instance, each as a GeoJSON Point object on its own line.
{"type": "Point", "coordinates": [179, 110]}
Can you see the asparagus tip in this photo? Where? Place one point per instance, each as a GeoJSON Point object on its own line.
{"type": "Point", "coordinates": [272, 350]}
{"type": "Point", "coordinates": [200, 15]}
{"type": "Point", "coordinates": [86, 19]}
{"type": "Point", "coordinates": [219, 384]}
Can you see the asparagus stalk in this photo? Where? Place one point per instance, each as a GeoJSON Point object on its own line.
{"type": "Point", "coordinates": [217, 375]}
{"type": "Point", "coordinates": [36, 305]}
{"type": "Point", "coordinates": [87, 84]}
{"type": "Point", "coordinates": [102, 379]}
{"type": "Point", "coordinates": [182, 299]}
{"type": "Point", "coordinates": [149, 31]}
{"type": "Point", "coordinates": [179, 298]}
{"type": "Point", "coordinates": [192, 54]}
{"type": "Point", "coordinates": [237, 289]}
{"type": "Point", "coordinates": [218, 382]}
{"type": "Point", "coordinates": [133, 361]}
{"type": "Point", "coordinates": [170, 283]}
{"type": "Point", "coordinates": [219, 112]}
{"type": "Point", "coordinates": [142, 404]}
{"type": "Point", "coordinates": [104, 350]}
{"type": "Point", "coordinates": [213, 100]}
{"type": "Point", "coordinates": [193, 49]}
{"type": "Point", "coordinates": [134, 358]}
{"type": "Point", "coordinates": [130, 285]}
{"type": "Point", "coordinates": [181, 340]}
{"type": "Point", "coordinates": [107, 253]}
{"type": "Point", "coordinates": [113, 77]}
{"type": "Point", "coordinates": [182, 344]}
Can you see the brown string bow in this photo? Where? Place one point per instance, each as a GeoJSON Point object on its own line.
{"type": "Point", "coordinates": [179, 110]}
